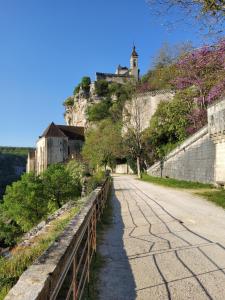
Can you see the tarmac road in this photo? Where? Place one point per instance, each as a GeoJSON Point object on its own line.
{"type": "Point", "coordinates": [163, 244]}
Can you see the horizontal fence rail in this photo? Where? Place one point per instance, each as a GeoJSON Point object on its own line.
{"type": "Point", "coordinates": [63, 271]}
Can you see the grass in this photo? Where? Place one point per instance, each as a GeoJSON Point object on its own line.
{"type": "Point", "coordinates": [91, 292]}
{"type": "Point", "coordinates": [216, 196]}
{"type": "Point", "coordinates": [174, 183]}
{"type": "Point", "coordinates": [207, 191]}
{"type": "Point", "coordinates": [11, 269]}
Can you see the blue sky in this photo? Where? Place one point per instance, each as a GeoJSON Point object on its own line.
{"type": "Point", "coordinates": [46, 46]}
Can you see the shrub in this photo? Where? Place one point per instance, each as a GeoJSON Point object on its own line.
{"type": "Point", "coordinates": [76, 89]}
{"type": "Point", "coordinates": [69, 101]}
{"type": "Point", "coordinates": [59, 185]}
{"type": "Point", "coordinates": [95, 180]}
{"type": "Point", "coordinates": [85, 84]}
{"type": "Point", "coordinates": [24, 201]}
{"type": "Point", "coordinates": [102, 88]}
{"type": "Point", "coordinates": [99, 111]}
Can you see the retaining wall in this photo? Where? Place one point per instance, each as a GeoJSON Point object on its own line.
{"type": "Point", "coordinates": [193, 160]}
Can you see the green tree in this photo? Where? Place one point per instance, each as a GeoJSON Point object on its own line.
{"type": "Point", "coordinates": [76, 171]}
{"type": "Point", "coordinates": [24, 201]}
{"type": "Point", "coordinates": [133, 131]}
{"type": "Point", "coordinates": [59, 185]}
{"type": "Point", "coordinates": [169, 124]}
{"type": "Point", "coordinates": [103, 144]}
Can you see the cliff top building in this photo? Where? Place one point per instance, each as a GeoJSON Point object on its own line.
{"type": "Point", "coordinates": [123, 74]}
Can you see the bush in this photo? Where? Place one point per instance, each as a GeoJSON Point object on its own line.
{"type": "Point", "coordinates": [76, 89]}
{"type": "Point", "coordinates": [31, 199]}
{"type": "Point", "coordinates": [102, 88]}
{"type": "Point", "coordinates": [95, 180]}
{"type": "Point", "coordinates": [59, 185]}
{"type": "Point", "coordinates": [99, 111]}
{"type": "Point", "coordinates": [69, 101]}
{"type": "Point", "coordinates": [85, 84]}
{"type": "Point", "coordinates": [24, 202]}
{"type": "Point", "coordinates": [76, 170]}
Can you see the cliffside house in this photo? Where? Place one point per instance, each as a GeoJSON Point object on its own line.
{"type": "Point", "coordinates": [57, 144]}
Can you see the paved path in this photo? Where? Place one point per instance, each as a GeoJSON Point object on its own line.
{"type": "Point", "coordinates": [163, 244]}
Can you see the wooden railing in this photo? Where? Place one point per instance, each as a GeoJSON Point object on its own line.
{"type": "Point", "coordinates": [66, 271]}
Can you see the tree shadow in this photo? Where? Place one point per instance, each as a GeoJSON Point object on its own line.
{"type": "Point", "coordinates": [116, 276]}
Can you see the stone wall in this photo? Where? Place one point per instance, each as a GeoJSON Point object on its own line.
{"type": "Point", "coordinates": [123, 169]}
{"type": "Point", "coordinates": [193, 160]}
{"type": "Point", "coordinates": [202, 156]}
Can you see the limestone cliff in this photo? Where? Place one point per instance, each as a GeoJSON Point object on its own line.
{"type": "Point", "coordinates": [147, 102]}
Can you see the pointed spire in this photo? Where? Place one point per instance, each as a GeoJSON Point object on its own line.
{"type": "Point", "coordinates": [134, 53]}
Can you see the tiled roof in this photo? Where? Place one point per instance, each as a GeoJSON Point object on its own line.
{"type": "Point", "coordinates": [72, 132]}
{"type": "Point", "coordinates": [52, 131]}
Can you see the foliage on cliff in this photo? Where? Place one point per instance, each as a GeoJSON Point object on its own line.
{"type": "Point", "coordinates": [113, 97]}
{"type": "Point", "coordinates": [84, 84]}
{"type": "Point", "coordinates": [31, 199]}
{"type": "Point", "coordinates": [69, 101]}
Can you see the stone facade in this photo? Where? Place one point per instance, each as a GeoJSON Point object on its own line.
{"type": "Point", "coordinates": [57, 144]}
{"type": "Point", "coordinates": [202, 156]}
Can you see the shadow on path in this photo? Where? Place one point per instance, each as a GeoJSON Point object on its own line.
{"type": "Point", "coordinates": [116, 277]}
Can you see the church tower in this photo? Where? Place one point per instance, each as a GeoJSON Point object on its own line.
{"type": "Point", "coordinates": [134, 71]}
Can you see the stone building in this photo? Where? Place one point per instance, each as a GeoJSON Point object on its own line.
{"type": "Point", "coordinates": [58, 143]}
{"type": "Point", "coordinates": [123, 74]}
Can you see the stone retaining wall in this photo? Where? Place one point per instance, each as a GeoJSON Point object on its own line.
{"type": "Point", "coordinates": [193, 160]}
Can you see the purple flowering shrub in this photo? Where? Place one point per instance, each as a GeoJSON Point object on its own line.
{"type": "Point", "coordinates": [203, 69]}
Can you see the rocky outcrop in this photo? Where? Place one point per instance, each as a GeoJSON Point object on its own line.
{"type": "Point", "coordinates": [75, 115]}
{"type": "Point", "coordinates": [143, 106]}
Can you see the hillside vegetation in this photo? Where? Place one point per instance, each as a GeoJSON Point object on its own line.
{"type": "Point", "coordinates": [12, 165]}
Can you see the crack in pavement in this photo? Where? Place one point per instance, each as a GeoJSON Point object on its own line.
{"type": "Point", "coordinates": [152, 254]}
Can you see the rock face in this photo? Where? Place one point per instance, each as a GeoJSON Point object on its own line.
{"type": "Point", "coordinates": [147, 103]}
{"type": "Point", "coordinates": [75, 115]}
{"type": "Point", "coordinates": [143, 106]}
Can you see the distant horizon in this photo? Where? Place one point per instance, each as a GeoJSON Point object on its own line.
{"type": "Point", "coordinates": [48, 46]}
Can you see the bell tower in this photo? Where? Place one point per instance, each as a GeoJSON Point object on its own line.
{"type": "Point", "coordinates": [134, 70]}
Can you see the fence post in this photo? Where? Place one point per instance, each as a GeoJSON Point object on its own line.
{"type": "Point", "coordinates": [75, 278]}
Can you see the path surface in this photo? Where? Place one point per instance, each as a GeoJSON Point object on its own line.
{"type": "Point", "coordinates": [163, 244]}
